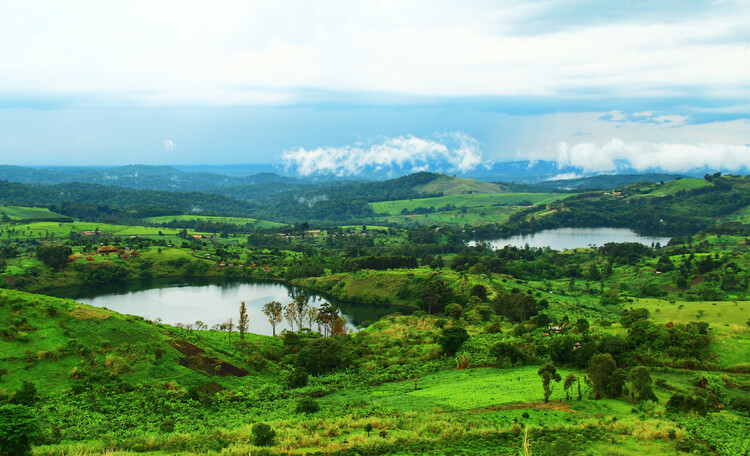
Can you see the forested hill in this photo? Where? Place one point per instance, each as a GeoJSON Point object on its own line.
{"type": "Point", "coordinates": [676, 207]}
{"type": "Point", "coordinates": [349, 200]}
{"type": "Point", "coordinates": [141, 177]}
{"type": "Point", "coordinates": [90, 201]}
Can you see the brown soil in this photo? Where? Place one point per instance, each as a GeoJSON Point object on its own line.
{"type": "Point", "coordinates": [552, 405]}
{"type": "Point", "coordinates": [196, 360]}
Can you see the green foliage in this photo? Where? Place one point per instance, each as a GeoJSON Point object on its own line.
{"type": "Point", "coordinates": [321, 355]}
{"type": "Point", "coordinates": [263, 435]}
{"type": "Point", "coordinates": [26, 395]}
{"type": "Point", "coordinates": [506, 351]}
{"type": "Point", "coordinates": [452, 338]}
{"type": "Point", "coordinates": [601, 368]}
{"type": "Point", "coordinates": [18, 428]}
{"type": "Point", "coordinates": [54, 256]}
{"type": "Point", "coordinates": [549, 374]}
{"type": "Point", "coordinates": [307, 405]}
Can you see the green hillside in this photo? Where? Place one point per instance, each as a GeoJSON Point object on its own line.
{"type": "Point", "coordinates": [29, 213]}
{"type": "Point", "coordinates": [255, 223]}
{"type": "Point", "coordinates": [464, 200]}
{"type": "Point", "coordinates": [448, 185]}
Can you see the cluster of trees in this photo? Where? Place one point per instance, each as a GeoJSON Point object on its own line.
{"type": "Point", "coordinates": [379, 262]}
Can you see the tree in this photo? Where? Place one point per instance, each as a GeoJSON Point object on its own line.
{"type": "Point", "coordinates": [263, 435]}
{"type": "Point", "coordinates": [453, 310]}
{"type": "Point", "coordinates": [569, 381]}
{"type": "Point", "coordinates": [582, 325]}
{"type": "Point", "coordinates": [549, 374]}
{"type": "Point", "coordinates": [274, 312]}
{"type": "Point", "coordinates": [242, 322]}
{"type": "Point", "coordinates": [54, 256]}
{"type": "Point", "coordinates": [600, 372]}
{"type": "Point", "coordinates": [290, 314]}
{"type": "Point", "coordinates": [616, 383]}
{"type": "Point", "coordinates": [300, 303]}
{"type": "Point", "coordinates": [320, 355]}
{"type": "Point", "coordinates": [18, 427]}
{"type": "Point", "coordinates": [229, 325]}
{"type": "Point", "coordinates": [26, 394]}
{"type": "Point", "coordinates": [480, 291]}
{"type": "Point", "coordinates": [506, 350]}
{"type": "Point", "coordinates": [327, 317]}
{"type": "Point", "coordinates": [435, 296]}
{"type": "Point", "coordinates": [452, 338]}
{"type": "Point", "coordinates": [641, 381]}
{"type": "Point", "coordinates": [368, 428]}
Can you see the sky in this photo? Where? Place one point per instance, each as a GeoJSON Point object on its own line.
{"type": "Point", "coordinates": [340, 86]}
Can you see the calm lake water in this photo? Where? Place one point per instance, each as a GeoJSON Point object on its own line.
{"type": "Point", "coordinates": [210, 300]}
{"type": "Point", "coordinates": [571, 238]}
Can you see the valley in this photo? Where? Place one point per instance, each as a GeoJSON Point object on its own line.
{"type": "Point", "coordinates": [393, 333]}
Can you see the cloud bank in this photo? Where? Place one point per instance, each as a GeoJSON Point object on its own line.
{"type": "Point", "coordinates": [618, 155]}
{"type": "Point", "coordinates": [408, 153]}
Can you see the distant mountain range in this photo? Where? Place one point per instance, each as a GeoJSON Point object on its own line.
{"type": "Point", "coordinates": [139, 177]}
{"type": "Point", "coordinates": [245, 180]}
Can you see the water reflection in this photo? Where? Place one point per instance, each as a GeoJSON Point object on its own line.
{"type": "Point", "coordinates": [211, 300]}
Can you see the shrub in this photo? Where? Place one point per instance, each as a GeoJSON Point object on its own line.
{"type": "Point", "coordinates": [452, 338]}
{"type": "Point", "coordinates": [307, 405]}
{"type": "Point", "coordinates": [263, 435]}
{"type": "Point", "coordinates": [297, 378]}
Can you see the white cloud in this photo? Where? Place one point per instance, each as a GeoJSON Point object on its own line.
{"type": "Point", "coordinates": [564, 176]}
{"type": "Point", "coordinates": [645, 156]}
{"type": "Point", "coordinates": [406, 152]}
{"type": "Point", "coordinates": [174, 52]}
{"type": "Point", "coordinates": [168, 145]}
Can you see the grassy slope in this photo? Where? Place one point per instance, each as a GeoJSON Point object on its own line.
{"type": "Point", "coordinates": [458, 186]}
{"type": "Point", "coordinates": [674, 186]}
{"type": "Point", "coordinates": [458, 200]}
{"type": "Point", "coordinates": [27, 213]}
{"type": "Point", "coordinates": [41, 330]}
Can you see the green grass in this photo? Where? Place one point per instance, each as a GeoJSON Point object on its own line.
{"type": "Point", "coordinates": [460, 390]}
{"type": "Point", "coordinates": [58, 229]}
{"type": "Point", "coordinates": [458, 186]}
{"type": "Point", "coordinates": [256, 223]}
{"type": "Point", "coordinates": [28, 213]}
{"type": "Point", "coordinates": [470, 201]}
{"type": "Point", "coordinates": [732, 313]}
{"type": "Point", "coordinates": [674, 186]}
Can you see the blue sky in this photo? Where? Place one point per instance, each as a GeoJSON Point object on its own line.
{"type": "Point", "coordinates": [333, 85]}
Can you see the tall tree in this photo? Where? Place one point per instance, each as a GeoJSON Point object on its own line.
{"type": "Point", "coordinates": [641, 380]}
{"type": "Point", "coordinates": [549, 374]}
{"type": "Point", "coordinates": [600, 371]}
{"type": "Point", "coordinates": [300, 302]}
{"type": "Point", "coordinates": [242, 323]}
{"type": "Point", "coordinates": [230, 327]}
{"type": "Point", "coordinates": [290, 314]}
{"type": "Point", "coordinates": [275, 314]}
{"type": "Point", "coordinates": [569, 381]}
{"type": "Point", "coordinates": [327, 316]}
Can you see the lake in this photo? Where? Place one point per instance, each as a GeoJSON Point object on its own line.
{"type": "Point", "coordinates": [211, 300]}
{"type": "Point", "coordinates": [572, 238]}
